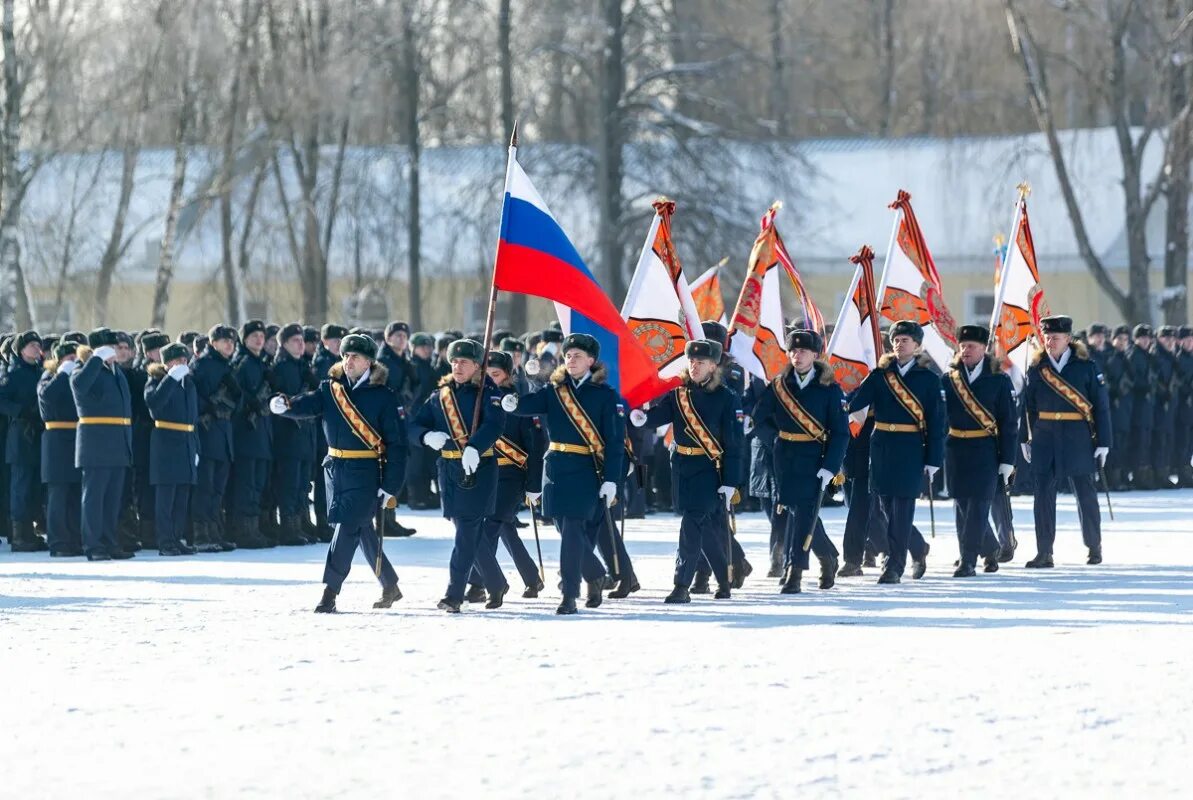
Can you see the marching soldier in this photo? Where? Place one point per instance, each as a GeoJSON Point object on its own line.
{"type": "Point", "coordinates": [1143, 403]}
{"type": "Point", "coordinates": [1164, 364]}
{"type": "Point", "coordinates": [219, 398]}
{"type": "Point", "coordinates": [706, 464]}
{"type": "Point", "coordinates": [802, 419]}
{"type": "Point", "coordinates": [326, 356]}
{"type": "Point", "coordinates": [22, 452]}
{"type": "Point", "coordinates": [585, 421]}
{"type": "Point", "coordinates": [1120, 386]}
{"type": "Point", "coordinates": [104, 447]}
{"type": "Point", "coordinates": [293, 439]}
{"type": "Point", "coordinates": [64, 497]}
{"type": "Point", "coordinates": [1069, 435]}
{"type": "Point", "coordinates": [980, 449]}
{"type": "Point", "coordinates": [253, 439]}
{"type": "Point", "coordinates": [365, 431]}
{"type": "Point", "coordinates": [467, 467]}
{"type": "Point", "coordinates": [520, 478]}
{"type": "Point", "coordinates": [908, 441]}
{"type": "Point", "coordinates": [516, 349]}
{"type": "Point", "coordinates": [173, 403]}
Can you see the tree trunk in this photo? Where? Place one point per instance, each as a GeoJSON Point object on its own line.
{"type": "Point", "coordinates": [15, 311]}
{"type": "Point", "coordinates": [887, 83]}
{"type": "Point", "coordinates": [1176, 186]}
{"type": "Point", "coordinates": [410, 83]}
{"type": "Point", "coordinates": [116, 244]}
{"type": "Point", "coordinates": [610, 140]}
{"type": "Point", "coordinates": [778, 70]}
{"type": "Point", "coordinates": [517, 301]}
{"type": "Point", "coordinates": [165, 264]}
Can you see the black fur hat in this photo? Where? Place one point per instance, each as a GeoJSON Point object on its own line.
{"type": "Point", "coordinates": [715, 331]}
{"type": "Point", "coordinates": [974, 333]}
{"type": "Point", "coordinates": [360, 344]}
{"type": "Point", "coordinates": [501, 360]}
{"type": "Point", "coordinates": [466, 348]}
{"type": "Point", "coordinates": [173, 351]}
{"type": "Point", "coordinates": [251, 327]}
{"type": "Point", "coordinates": [804, 339]}
{"type": "Point", "coordinates": [703, 348]}
{"type": "Point", "coordinates": [218, 332]}
{"type": "Point", "coordinates": [101, 337]}
{"type": "Point", "coordinates": [1057, 324]}
{"type": "Point", "coordinates": [907, 327]}
{"type": "Point", "coordinates": [582, 341]}
{"type": "Point", "coordinates": [290, 331]}
{"type": "Point", "coordinates": [154, 341]}
{"type": "Point", "coordinates": [333, 331]}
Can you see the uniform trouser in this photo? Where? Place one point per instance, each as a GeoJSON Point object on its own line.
{"type": "Point", "coordinates": [1141, 450]}
{"type": "Point", "coordinates": [974, 535]}
{"type": "Point", "coordinates": [64, 515]}
{"type": "Point", "coordinates": [702, 535]}
{"type": "Point", "coordinates": [577, 537]}
{"type": "Point", "coordinates": [248, 482]}
{"type": "Point", "coordinates": [1004, 522]}
{"type": "Point", "coordinates": [499, 530]}
{"type": "Point", "coordinates": [170, 504]}
{"type": "Point", "coordinates": [899, 513]}
{"type": "Point", "coordinates": [146, 507]}
{"type": "Point", "coordinates": [290, 480]}
{"type": "Point", "coordinates": [320, 480]}
{"type": "Point", "coordinates": [420, 469]}
{"type": "Point", "coordinates": [470, 549]}
{"type": "Point", "coordinates": [343, 548]}
{"type": "Point", "coordinates": [796, 544]}
{"type": "Point", "coordinates": [739, 555]}
{"type": "Point", "coordinates": [1088, 512]}
{"type": "Point", "coordinates": [24, 492]}
{"type": "Point", "coordinates": [606, 537]}
{"type": "Point", "coordinates": [209, 493]}
{"type": "Point", "coordinates": [1163, 433]}
{"type": "Point", "coordinates": [776, 515]}
{"type": "Point", "coordinates": [857, 519]}
{"type": "Point", "coordinates": [103, 491]}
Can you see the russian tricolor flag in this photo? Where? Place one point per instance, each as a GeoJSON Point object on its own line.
{"type": "Point", "coordinates": [535, 257]}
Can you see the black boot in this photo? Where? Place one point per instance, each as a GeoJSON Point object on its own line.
{"type": "Point", "coordinates": [147, 534]}
{"type": "Point", "coordinates": [625, 587]}
{"type": "Point", "coordinates": [496, 598]}
{"type": "Point", "coordinates": [990, 561]}
{"type": "Point", "coordinates": [309, 532]}
{"type": "Point", "coordinates": [389, 596]}
{"type": "Point", "coordinates": [1041, 561]}
{"type": "Point", "coordinates": [921, 566]}
{"type": "Point", "coordinates": [828, 572]}
{"type": "Point", "coordinates": [568, 606]}
{"type": "Point", "coordinates": [476, 594]}
{"type": "Point", "coordinates": [740, 573]}
{"type": "Point", "coordinates": [533, 591]}
{"type": "Point", "coordinates": [964, 571]}
{"type": "Point", "coordinates": [24, 540]}
{"type": "Point", "coordinates": [328, 604]}
{"type": "Point", "coordinates": [220, 534]}
{"type": "Point", "coordinates": [791, 585]}
{"type": "Point", "coordinates": [888, 577]}
{"type": "Point", "coordinates": [245, 534]}
{"type": "Point", "coordinates": [869, 561]}
{"type": "Point", "coordinates": [1144, 478]}
{"type": "Point", "coordinates": [449, 605]}
{"type": "Point", "coordinates": [398, 530]}
{"type": "Point", "coordinates": [269, 528]}
{"type": "Point", "coordinates": [594, 594]}
{"type": "Point", "coordinates": [678, 595]}
{"type": "Point", "coordinates": [126, 531]}
{"type": "Point", "coordinates": [700, 585]}
{"type": "Point", "coordinates": [290, 531]}
{"type": "Point", "coordinates": [205, 537]}
{"type": "Point", "coordinates": [722, 592]}
{"type": "Point", "coordinates": [850, 570]}
{"type": "Point", "coordinates": [1095, 556]}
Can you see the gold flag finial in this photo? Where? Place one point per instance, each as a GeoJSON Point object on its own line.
{"type": "Point", "coordinates": [722, 262]}
{"type": "Point", "coordinates": [999, 240]}
{"type": "Point", "coordinates": [775, 206]}
{"type": "Point", "coordinates": [1024, 190]}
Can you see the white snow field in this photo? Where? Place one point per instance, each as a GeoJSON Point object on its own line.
{"type": "Point", "coordinates": [210, 677]}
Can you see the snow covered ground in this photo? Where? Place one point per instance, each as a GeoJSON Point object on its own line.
{"type": "Point", "coordinates": [210, 677]}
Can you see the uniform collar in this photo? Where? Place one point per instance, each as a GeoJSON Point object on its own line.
{"type": "Point", "coordinates": [576, 384]}
{"type": "Point", "coordinates": [803, 380]}
{"type": "Point", "coordinates": [364, 379]}
{"type": "Point", "coordinates": [1059, 364]}
{"type": "Point", "coordinates": [975, 373]}
{"type": "Point", "coordinates": [905, 368]}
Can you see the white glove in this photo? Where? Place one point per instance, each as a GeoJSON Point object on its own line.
{"type": "Point", "coordinates": [67, 367]}
{"type": "Point", "coordinates": [637, 418]}
{"type": "Point", "coordinates": [1026, 448]}
{"type": "Point", "coordinates": [726, 493]}
{"type": "Point", "coordinates": [533, 497]}
{"type": "Point", "coordinates": [825, 477]}
{"type": "Point", "coordinates": [471, 460]}
{"type": "Point", "coordinates": [435, 439]}
{"type": "Point", "coordinates": [931, 471]}
{"type": "Point", "coordinates": [105, 353]}
{"type": "Point", "coordinates": [278, 404]}
{"type": "Point", "coordinates": [1005, 471]}
{"type": "Point", "coordinates": [179, 371]}
{"type": "Point", "coordinates": [387, 499]}
{"type": "Point", "coordinates": [747, 425]}
{"type": "Point", "coordinates": [1100, 453]}
{"type": "Point", "coordinates": [608, 492]}
{"type": "Point", "coordinates": [509, 403]}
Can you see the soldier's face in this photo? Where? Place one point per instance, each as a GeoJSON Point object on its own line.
{"type": "Point", "coordinates": [355, 365]}
{"type": "Point", "coordinates": [802, 358]}
{"type": "Point", "coordinates": [31, 352]}
{"type": "Point", "coordinates": [971, 353]}
{"type": "Point", "coordinates": [154, 355]}
{"type": "Point", "coordinates": [175, 362]}
{"type": "Point", "coordinates": [904, 346]}
{"type": "Point", "coordinates": [577, 362]}
{"type": "Point", "coordinates": [1055, 343]}
{"type": "Point", "coordinates": [423, 351]}
{"type": "Point", "coordinates": [1187, 344]}
{"type": "Point", "coordinates": [1097, 340]}
{"type": "Point", "coordinates": [497, 375]}
{"type": "Point", "coordinates": [517, 357]}
{"type": "Point", "coordinates": [295, 346]}
{"type": "Point", "coordinates": [255, 341]}
{"type": "Point", "coordinates": [309, 347]}
{"type": "Point", "coordinates": [271, 344]}
{"type": "Point", "coordinates": [223, 346]}
{"type": "Point", "coordinates": [398, 341]}
{"type": "Point", "coordinates": [124, 353]}
{"type": "Point", "coordinates": [1168, 342]}
{"type": "Point", "coordinates": [332, 345]}
{"type": "Point", "coordinates": [1143, 341]}
{"type": "Point", "coordinates": [463, 369]}
{"type": "Point", "coordinates": [1121, 341]}
{"type": "Point", "coordinates": [700, 369]}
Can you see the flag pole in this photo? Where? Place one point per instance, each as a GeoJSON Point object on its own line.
{"type": "Point", "coordinates": [886, 262]}
{"type": "Point", "coordinates": [469, 480]}
{"type": "Point", "coordinates": [1001, 290]}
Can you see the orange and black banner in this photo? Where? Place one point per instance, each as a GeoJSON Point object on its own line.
{"type": "Point", "coordinates": [695, 425]}
{"type": "Point", "coordinates": [581, 422]}
{"type": "Point", "coordinates": [797, 412]}
{"type": "Point", "coordinates": [906, 399]}
{"type": "Point", "coordinates": [455, 420]}
{"type": "Point", "coordinates": [508, 449]}
{"type": "Point", "coordinates": [972, 405]}
{"type": "Point", "coordinates": [359, 425]}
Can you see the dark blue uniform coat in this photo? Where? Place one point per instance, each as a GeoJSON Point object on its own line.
{"type": "Point", "coordinates": [972, 464]}
{"type": "Point", "coordinates": [173, 454]}
{"type": "Point", "coordinates": [57, 404]}
{"type": "Point", "coordinates": [1066, 448]}
{"type": "Point", "coordinates": [102, 391]}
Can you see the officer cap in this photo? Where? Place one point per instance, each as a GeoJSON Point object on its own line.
{"type": "Point", "coordinates": [64, 349]}
{"type": "Point", "coordinates": [360, 344]}
{"type": "Point", "coordinates": [1142, 329]}
{"type": "Point", "coordinates": [289, 332]}
{"type": "Point", "coordinates": [501, 360]}
{"type": "Point", "coordinates": [218, 332]}
{"type": "Point", "coordinates": [974, 333]}
{"type": "Point", "coordinates": [78, 337]}
{"type": "Point", "coordinates": [703, 348]}
{"type": "Point", "coordinates": [24, 339]}
{"type": "Point", "coordinates": [397, 327]}
{"type": "Point", "coordinates": [511, 345]}
{"type": "Point", "coordinates": [1057, 324]}
{"type": "Point", "coordinates": [466, 348]}
{"type": "Point", "coordinates": [1185, 330]}
{"type": "Point", "coordinates": [550, 335]}
{"type": "Point", "coordinates": [1167, 330]}
{"type": "Point", "coordinates": [333, 331]}
{"type": "Point", "coordinates": [310, 334]}
{"type": "Point", "coordinates": [907, 327]}
{"type": "Point", "coordinates": [499, 336]}
{"type": "Point", "coordinates": [251, 327]}
{"type": "Point", "coordinates": [154, 341]}
{"type": "Point", "coordinates": [174, 351]}
{"type": "Point", "coordinates": [1098, 327]}
{"type": "Point", "coordinates": [804, 339]}
{"type": "Point", "coordinates": [715, 331]}
{"type": "Point", "coordinates": [422, 339]}
{"type": "Point", "coordinates": [582, 341]}
{"type": "Point", "coordinates": [101, 337]}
